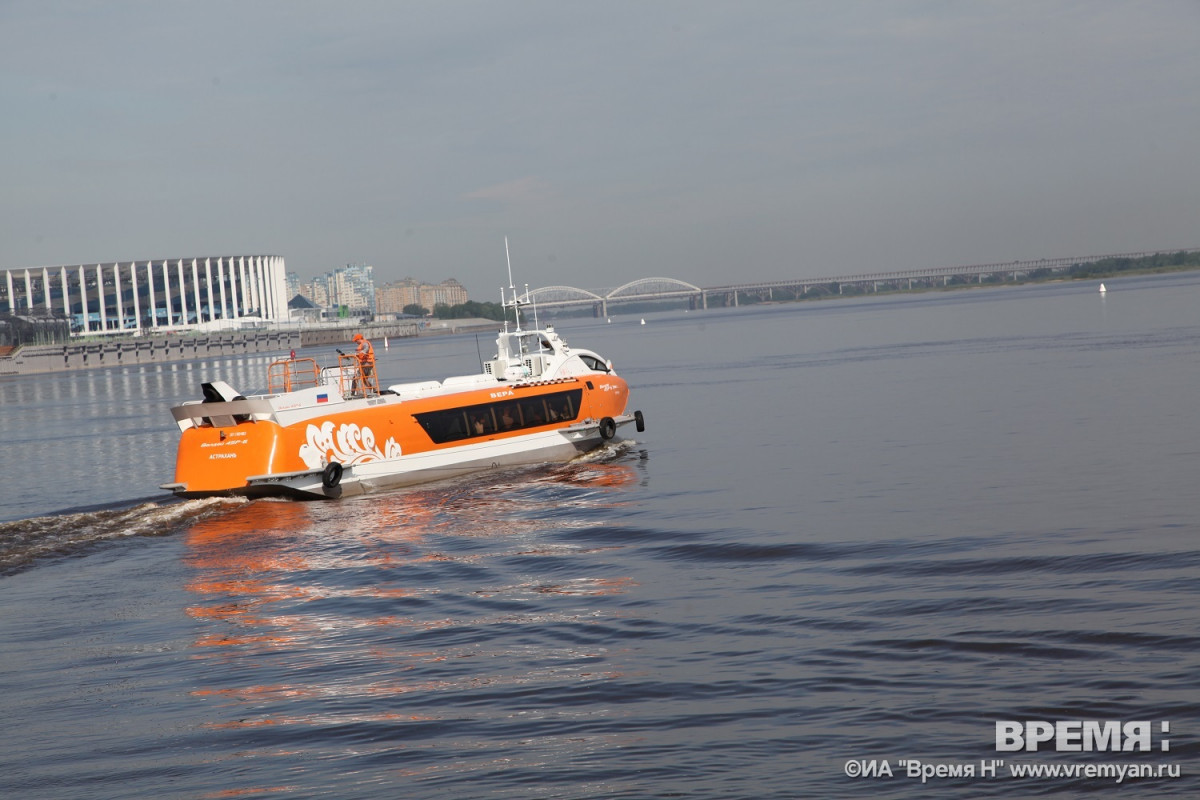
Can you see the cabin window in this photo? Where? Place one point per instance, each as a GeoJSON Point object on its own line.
{"type": "Point", "coordinates": [487, 418]}
{"type": "Point", "coordinates": [594, 363]}
{"type": "Point", "coordinates": [507, 416]}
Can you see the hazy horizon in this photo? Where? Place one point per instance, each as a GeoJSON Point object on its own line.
{"type": "Point", "coordinates": [707, 142]}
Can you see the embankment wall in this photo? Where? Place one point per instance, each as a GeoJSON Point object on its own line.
{"type": "Point", "coordinates": [93, 353]}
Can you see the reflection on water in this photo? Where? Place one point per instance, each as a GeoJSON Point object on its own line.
{"type": "Point", "coordinates": [388, 620]}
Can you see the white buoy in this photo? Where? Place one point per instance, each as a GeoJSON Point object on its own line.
{"type": "Point", "coordinates": [385, 344]}
{"type": "Point", "coordinates": [1102, 289]}
{"type": "Point", "coordinates": [643, 322]}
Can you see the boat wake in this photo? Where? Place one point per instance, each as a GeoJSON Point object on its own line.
{"type": "Point", "coordinates": [606, 452]}
{"type": "Point", "coordinates": [23, 542]}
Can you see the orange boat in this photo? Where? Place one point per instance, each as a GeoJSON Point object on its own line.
{"type": "Point", "coordinates": [332, 432]}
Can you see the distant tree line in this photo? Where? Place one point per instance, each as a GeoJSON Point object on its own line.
{"type": "Point", "coordinates": [1180, 260]}
{"type": "Point", "coordinates": [468, 310]}
{"type": "Point", "coordinates": [1159, 262]}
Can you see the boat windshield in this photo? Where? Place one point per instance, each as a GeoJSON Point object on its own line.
{"type": "Point", "coordinates": [535, 343]}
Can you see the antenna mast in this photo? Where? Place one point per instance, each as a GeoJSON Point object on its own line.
{"type": "Point", "coordinates": [516, 305]}
{"type": "Point", "coordinates": [535, 319]}
{"type": "Point", "coordinates": [508, 258]}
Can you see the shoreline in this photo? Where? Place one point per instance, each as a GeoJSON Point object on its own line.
{"type": "Point", "coordinates": [100, 351]}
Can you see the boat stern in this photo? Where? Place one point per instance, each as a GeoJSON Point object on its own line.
{"type": "Point", "coordinates": [221, 460]}
{"type": "Point", "coordinates": [227, 440]}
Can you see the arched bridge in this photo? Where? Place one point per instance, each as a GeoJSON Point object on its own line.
{"type": "Point", "coordinates": [643, 289]}
{"type": "Point", "coordinates": [654, 289]}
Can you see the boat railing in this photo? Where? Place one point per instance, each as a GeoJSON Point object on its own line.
{"type": "Point", "coordinates": [340, 377]}
{"type": "Point", "coordinates": [291, 374]}
{"type": "Point", "coordinates": [354, 377]}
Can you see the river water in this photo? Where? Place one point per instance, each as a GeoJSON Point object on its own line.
{"type": "Point", "coordinates": [854, 536]}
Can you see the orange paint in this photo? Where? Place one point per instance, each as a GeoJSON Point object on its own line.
{"type": "Point", "coordinates": [221, 459]}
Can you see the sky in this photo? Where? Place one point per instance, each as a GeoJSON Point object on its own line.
{"type": "Point", "coordinates": [712, 142]}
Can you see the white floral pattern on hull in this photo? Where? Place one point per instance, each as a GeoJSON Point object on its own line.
{"type": "Point", "coordinates": [350, 445]}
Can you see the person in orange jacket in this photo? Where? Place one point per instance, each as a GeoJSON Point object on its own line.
{"type": "Point", "coordinates": [365, 354]}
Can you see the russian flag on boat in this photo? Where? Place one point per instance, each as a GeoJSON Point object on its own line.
{"type": "Point", "coordinates": [323, 397]}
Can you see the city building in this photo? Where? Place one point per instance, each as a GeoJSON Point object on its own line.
{"type": "Point", "coordinates": [144, 295]}
{"type": "Point", "coordinates": [293, 285]}
{"type": "Point", "coordinates": [449, 292]}
{"type": "Point", "coordinates": [351, 287]}
{"type": "Point", "coordinates": [391, 298]}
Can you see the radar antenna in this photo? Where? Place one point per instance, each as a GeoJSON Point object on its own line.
{"type": "Point", "coordinates": [515, 303]}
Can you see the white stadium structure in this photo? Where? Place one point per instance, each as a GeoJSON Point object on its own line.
{"type": "Point", "coordinates": [171, 294]}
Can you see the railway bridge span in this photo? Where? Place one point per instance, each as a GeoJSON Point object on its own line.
{"type": "Point", "coordinates": [664, 288]}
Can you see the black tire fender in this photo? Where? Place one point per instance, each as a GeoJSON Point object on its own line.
{"type": "Point", "coordinates": [331, 476]}
{"type": "Point", "coordinates": [639, 421]}
{"type": "Point", "coordinates": [608, 428]}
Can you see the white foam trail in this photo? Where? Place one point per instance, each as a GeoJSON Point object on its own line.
{"type": "Point", "coordinates": [24, 541]}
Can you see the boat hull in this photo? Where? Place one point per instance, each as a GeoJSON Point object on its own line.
{"type": "Point", "coordinates": [428, 467]}
{"type": "Point", "coordinates": [373, 444]}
